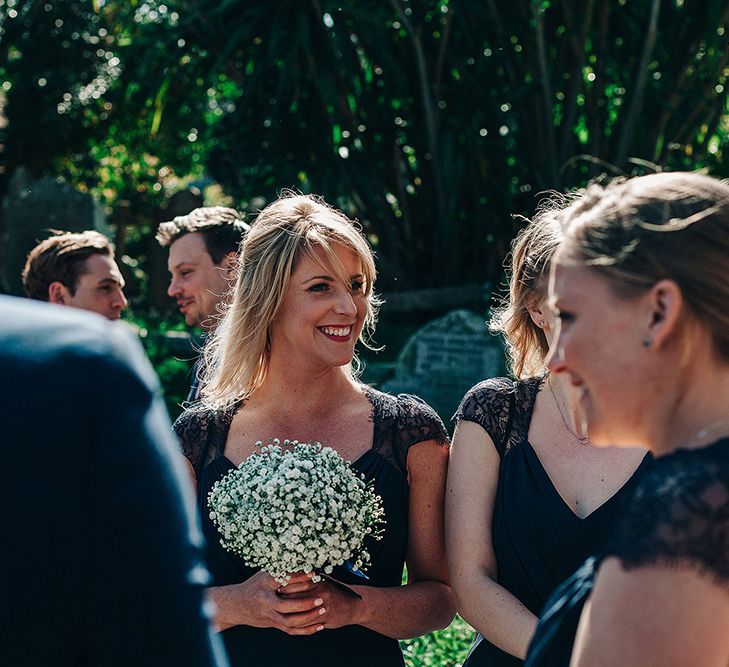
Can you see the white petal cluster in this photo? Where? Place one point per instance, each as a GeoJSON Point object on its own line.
{"type": "Point", "coordinates": [299, 507]}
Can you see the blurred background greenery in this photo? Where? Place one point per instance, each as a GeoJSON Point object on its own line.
{"type": "Point", "coordinates": [433, 122]}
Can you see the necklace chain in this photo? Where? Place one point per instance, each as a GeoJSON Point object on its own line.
{"type": "Point", "coordinates": [583, 439]}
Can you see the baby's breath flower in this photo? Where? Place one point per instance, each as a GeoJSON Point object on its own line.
{"type": "Point", "coordinates": [301, 508]}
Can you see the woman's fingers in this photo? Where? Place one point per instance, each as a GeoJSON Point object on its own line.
{"type": "Point", "coordinates": [297, 605]}
{"type": "Point", "coordinates": [307, 622]}
{"type": "Point", "coordinates": [310, 630]}
{"type": "Point", "coordinates": [298, 583]}
{"type": "Point", "coordinates": [292, 608]}
{"type": "Point", "coordinates": [300, 577]}
{"type": "Point", "coordinates": [292, 589]}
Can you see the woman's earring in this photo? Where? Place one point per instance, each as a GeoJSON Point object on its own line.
{"type": "Point", "coordinates": [647, 342]}
{"type": "Point", "coordinates": [541, 324]}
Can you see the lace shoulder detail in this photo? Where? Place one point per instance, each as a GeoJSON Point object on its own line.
{"type": "Point", "coordinates": [502, 407]}
{"type": "Point", "coordinates": [202, 433]}
{"type": "Point", "coordinates": [679, 515]}
{"type": "Point", "coordinates": [402, 421]}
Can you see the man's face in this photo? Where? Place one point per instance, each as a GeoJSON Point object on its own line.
{"type": "Point", "coordinates": [198, 285]}
{"type": "Point", "coordinates": [99, 288]}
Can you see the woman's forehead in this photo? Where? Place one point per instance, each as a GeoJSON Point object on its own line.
{"type": "Point", "coordinates": [568, 277]}
{"type": "Point", "coordinates": [337, 260]}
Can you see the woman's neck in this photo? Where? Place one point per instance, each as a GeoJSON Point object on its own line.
{"type": "Point", "coordinates": [699, 413]}
{"type": "Point", "coordinates": [311, 389]}
{"type": "Point", "coordinates": [564, 408]}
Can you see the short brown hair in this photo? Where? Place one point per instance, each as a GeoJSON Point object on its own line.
{"type": "Point", "coordinates": [222, 229]}
{"type": "Point", "coordinates": [60, 258]}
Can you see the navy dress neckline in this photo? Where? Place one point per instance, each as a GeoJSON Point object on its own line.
{"type": "Point", "coordinates": [678, 518]}
{"type": "Point", "coordinates": [548, 485]}
{"type": "Point", "coordinates": [398, 423]}
{"type": "Point", "coordinates": [537, 538]}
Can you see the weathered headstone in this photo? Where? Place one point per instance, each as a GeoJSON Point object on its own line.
{"type": "Point", "coordinates": [30, 209]}
{"type": "Point", "coordinates": [445, 358]}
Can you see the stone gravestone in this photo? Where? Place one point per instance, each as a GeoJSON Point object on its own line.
{"type": "Point", "coordinates": [30, 209]}
{"type": "Point", "coordinates": [445, 358]}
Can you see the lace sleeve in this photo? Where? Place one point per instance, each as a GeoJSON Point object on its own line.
{"type": "Point", "coordinates": [193, 429]}
{"type": "Point", "coordinates": [679, 515]}
{"type": "Point", "coordinates": [400, 422]}
{"type": "Point", "coordinates": [416, 422]}
{"type": "Point", "coordinates": [490, 404]}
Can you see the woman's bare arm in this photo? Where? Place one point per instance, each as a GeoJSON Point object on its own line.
{"type": "Point", "coordinates": [472, 480]}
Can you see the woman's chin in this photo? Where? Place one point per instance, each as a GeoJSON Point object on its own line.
{"type": "Point", "coordinates": [599, 436]}
{"type": "Point", "coordinates": [610, 438]}
{"type": "Point", "coordinates": [600, 440]}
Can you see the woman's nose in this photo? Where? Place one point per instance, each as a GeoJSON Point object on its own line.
{"type": "Point", "coordinates": [345, 303]}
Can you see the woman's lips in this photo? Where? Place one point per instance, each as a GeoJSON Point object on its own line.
{"type": "Point", "coordinates": [339, 334]}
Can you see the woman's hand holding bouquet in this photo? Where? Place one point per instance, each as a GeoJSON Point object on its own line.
{"type": "Point", "coordinates": [296, 512]}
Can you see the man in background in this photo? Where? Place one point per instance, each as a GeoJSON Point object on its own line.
{"type": "Point", "coordinates": [76, 269]}
{"type": "Point", "coordinates": [203, 254]}
{"type": "Point", "coordinates": [102, 560]}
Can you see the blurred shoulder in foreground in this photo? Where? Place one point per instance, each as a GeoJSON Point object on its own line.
{"type": "Point", "coordinates": [102, 561]}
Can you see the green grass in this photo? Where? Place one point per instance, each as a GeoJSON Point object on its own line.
{"type": "Point", "coordinates": [444, 648]}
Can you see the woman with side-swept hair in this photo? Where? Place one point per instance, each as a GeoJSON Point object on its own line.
{"type": "Point", "coordinates": [528, 497]}
{"type": "Point", "coordinates": [280, 364]}
{"type": "Point", "coordinates": [641, 294]}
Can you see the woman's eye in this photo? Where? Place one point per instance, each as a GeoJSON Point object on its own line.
{"type": "Point", "coordinates": [319, 287]}
{"type": "Point", "coordinates": [357, 285]}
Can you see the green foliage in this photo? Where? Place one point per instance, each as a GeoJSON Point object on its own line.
{"type": "Point", "coordinates": [432, 121]}
{"type": "Point", "coordinates": [444, 648]}
{"type": "Point", "coordinates": [171, 353]}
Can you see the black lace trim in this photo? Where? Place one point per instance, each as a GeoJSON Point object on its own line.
{"type": "Point", "coordinates": [679, 515]}
{"type": "Point", "coordinates": [202, 433]}
{"type": "Point", "coordinates": [399, 422]}
{"type": "Point", "coordinates": [503, 408]}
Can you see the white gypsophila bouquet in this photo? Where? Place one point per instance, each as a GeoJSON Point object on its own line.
{"type": "Point", "coordinates": [297, 508]}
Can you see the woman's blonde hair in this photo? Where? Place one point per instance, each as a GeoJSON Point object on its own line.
{"type": "Point", "coordinates": [530, 258]}
{"type": "Point", "coordinates": [662, 226]}
{"type": "Point", "coordinates": [292, 227]}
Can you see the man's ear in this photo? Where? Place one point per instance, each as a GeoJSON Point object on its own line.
{"type": "Point", "coordinates": [58, 293]}
{"type": "Point", "coordinates": [229, 264]}
{"type": "Point", "coordinates": [666, 302]}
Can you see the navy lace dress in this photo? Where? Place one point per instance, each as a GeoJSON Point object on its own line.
{"type": "Point", "coordinates": [678, 517]}
{"type": "Point", "coordinates": [537, 539]}
{"type": "Point", "coordinates": [399, 422]}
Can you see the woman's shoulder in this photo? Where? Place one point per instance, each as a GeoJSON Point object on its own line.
{"type": "Point", "coordinates": [202, 431]}
{"type": "Point", "coordinates": [414, 419]}
{"type": "Point", "coordinates": [492, 404]}
{"type": "Point", "coordinates": [481, 398]}
{"type": "Point", "coordinates": [401, 421]}
{"type": "Point", "coordinates": [195, 417]}
{"type": "Point", "coordinates": [679, 515]}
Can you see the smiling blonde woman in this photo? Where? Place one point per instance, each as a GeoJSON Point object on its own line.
{"type": "Point", "coordinates": [280, 364]}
